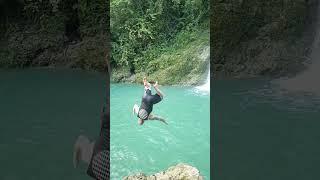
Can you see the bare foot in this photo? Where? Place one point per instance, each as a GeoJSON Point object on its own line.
{"type": "Point", "coordinates": [155, 84]}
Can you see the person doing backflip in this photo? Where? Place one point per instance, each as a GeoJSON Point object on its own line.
{"type": "Point", "coordinates": [148, 100]}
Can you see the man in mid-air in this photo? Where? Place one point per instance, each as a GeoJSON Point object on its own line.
{"type": "Point", "coordinates": [148, 100]}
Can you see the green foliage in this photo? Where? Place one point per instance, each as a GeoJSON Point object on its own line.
{"type": "Point", "coordinates": [41, 36]}
{"type": "Point", "coordinates": [142, 29]}
{"type": "Point", "coordinates": [235, 21]}
{"type": "Point", "coordinates": [93, 16]}
{"type": "Point", "coordinates": [174, 62]}
{"type": "Point", "coordinates": [52, 24]}
{"type": "Point", "coordinates": [91, 54]}
{"type": "Point", "coordinates": [179, 63]}
{"type": "Point", "coordinates": [36, 10]}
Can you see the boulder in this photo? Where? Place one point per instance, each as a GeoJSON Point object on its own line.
{"type": "Point", "coordinates": [178, 172]}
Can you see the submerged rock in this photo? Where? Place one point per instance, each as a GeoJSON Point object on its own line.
{"type": "Point", "coordinates": [178, 172]}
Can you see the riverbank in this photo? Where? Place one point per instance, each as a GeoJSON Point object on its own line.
{"type": "Point", "coordinates": [184, 61]}
{"type": "Point", "coordinates": [261, 38]}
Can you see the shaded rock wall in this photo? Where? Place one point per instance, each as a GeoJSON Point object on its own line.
{"type": "Point", "coordinates": [267, 38]}
{"type": "Point", "coordinates": [54, 33]}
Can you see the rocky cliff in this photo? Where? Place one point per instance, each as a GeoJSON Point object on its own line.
{"type": "Point", "coordinates": [266, 38]}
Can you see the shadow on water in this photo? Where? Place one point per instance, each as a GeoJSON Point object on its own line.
{"type": "Point", "coordinates": [264, 132]}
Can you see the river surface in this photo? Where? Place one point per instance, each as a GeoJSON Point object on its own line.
{"type": "Point", "coordinates": [155, 146]}
{"type": "Point", "coordinates": [264, 132]}
{"type": "Point", "coordinates": [42, 112]}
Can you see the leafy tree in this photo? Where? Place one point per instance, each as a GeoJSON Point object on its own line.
{"type": "Point", "coordinates": [140, 25]}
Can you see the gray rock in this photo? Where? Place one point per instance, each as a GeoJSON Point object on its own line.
{"type": "Point", "coordinates": [179, 172]}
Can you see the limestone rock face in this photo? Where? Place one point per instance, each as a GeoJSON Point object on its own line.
{"type": "Point", "coordinates": [178, 172]}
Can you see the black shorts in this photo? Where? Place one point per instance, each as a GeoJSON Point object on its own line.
{"type": "Point", "coordinates": [99, 165]}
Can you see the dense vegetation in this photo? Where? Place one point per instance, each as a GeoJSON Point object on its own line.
{"type": "Point", "coordinates": [159, 38]}
{"type": "Point", "coordinates": [260, 37]}
{"type": "Point", "coordinates": [53, 32]}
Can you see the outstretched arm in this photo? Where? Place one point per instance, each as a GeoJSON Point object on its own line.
{"type": "Point", "coordinates": [144, 81]}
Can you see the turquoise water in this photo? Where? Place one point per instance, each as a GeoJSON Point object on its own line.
{"type": "Point", "coordinates": [155, 146]}
{"type": "Point", "coordinates": [263, 132]}
{"type": "Point", "coordinates": [41, 113]}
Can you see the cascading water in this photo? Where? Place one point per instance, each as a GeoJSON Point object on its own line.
{"type": "Point", "coordinates": [205, 88]}
{"type": "Point", "coordinates": [308, 80]}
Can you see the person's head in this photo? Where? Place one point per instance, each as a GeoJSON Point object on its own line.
{"type": "Point", "coordinates": [140, 121]}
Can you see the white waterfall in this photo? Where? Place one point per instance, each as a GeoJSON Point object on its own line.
{"type": "Point", "coordinates": [205, 56]}
{"type": "Point", "coordinates": [206, 86]}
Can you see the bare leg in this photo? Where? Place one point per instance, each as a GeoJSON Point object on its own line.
{"type": "Point", "coordinates": [158, 90]}
{"type": "Point", "coordinates": [154, 117]}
